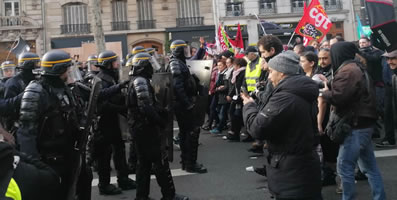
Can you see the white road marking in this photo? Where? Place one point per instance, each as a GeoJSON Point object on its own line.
{"type": "Point", "coordinates": [385, 153]}
{"type": "Point", "coordinates": [174, 172]}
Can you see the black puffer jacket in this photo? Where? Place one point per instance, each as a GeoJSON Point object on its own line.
{"type": "Point", "coordinates": [288, 123]}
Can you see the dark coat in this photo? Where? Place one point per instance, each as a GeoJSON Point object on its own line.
{"type": "Point", "coordinates": [235, 88]}
{"type": "Point", "coordinates": [288, 123]}
{"type": "Point", "coordinates": [350, 91]}
{"type": "Point", "coordinates": [222, 93]}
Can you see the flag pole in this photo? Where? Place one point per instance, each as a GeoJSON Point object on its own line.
{"type": "Point", "coordinates": [260, 23]}
{"type": "Point", "coordinates": [291, 38]}
{"type": "Point", "coordinates": [13, 46]}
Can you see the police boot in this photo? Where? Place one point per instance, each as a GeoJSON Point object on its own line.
{"type": "Point", "coordinates": [164, 178]}
{"type": "Point", "coordinates": [176, 197]}
{"type": "Point", "coordinates": [192, 166]}
{"type": "Point", "coordinates": [126, 183]}
{"type": "Point", "coordinates": [108, 189]}
{"type": "Point", "coordinates": [184, 148]}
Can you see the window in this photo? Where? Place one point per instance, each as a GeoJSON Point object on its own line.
{"type": "Point", "coordinates": [297, 5]}
{"type": "Point", "coordinates": [11, 7]}
{"type": "Point", "coordinates": [119, 10]}
{"type": "Point", "coordinates": [189, 13]}
{"type": "Point", "coordinates": [75, 18]}
{"type": "Point", "coordinates": [332, 4]}
{"type": "Point", "coordinates": [267, 6]}
{"type": "Point", "coordinates": [145, 14]}
{"type": "Point", "coordinates": [234, 8]}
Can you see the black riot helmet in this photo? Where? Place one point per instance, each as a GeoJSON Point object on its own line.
{"type": "Point", "coordinates": [55, 63]}
{"type": "Point", "coordinates": [106, 58]}
{"type": "Point", "coordinates": [137, 49]}
{"type": "Point", "coordinates": [150, 51]}
{"type": "Point", "coordinates": [7, 69]}
{"type": "Point", "coordinates": [129, 62]}
{"type": "Point", "coordinates": [141, 65]}
{"type": "Point", "coordinates": [92, 62]}
{"type": "Point", "coordinates": [28, 60]}
{"type": "Point", "coordinates": [179, 49]}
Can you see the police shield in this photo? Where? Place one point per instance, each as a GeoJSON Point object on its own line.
{"type": "Point", "coordinates": [202, 70]}
{"type": "Point", "coordinates": [162, 84]}
{"type": "Point", "coordinates": [78, 157]}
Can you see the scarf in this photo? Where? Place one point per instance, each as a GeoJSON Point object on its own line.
{"type": "Point", "coordinates": [236, 73]}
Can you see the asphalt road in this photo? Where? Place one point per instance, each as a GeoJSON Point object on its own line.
{"type": "Point", "coordinates": [227, 178]}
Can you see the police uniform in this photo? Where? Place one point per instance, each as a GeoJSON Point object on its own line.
{"type": "Point", "coordinates": [49, 126]}
{"type": "Point", "coordinates": [15, 85]}
{"type": "Point", "coordinates": [109, 139]}
{"type": "Point", "coordinates": [146, 120]}
{"type": "Point", "coordinates": [184, 91]}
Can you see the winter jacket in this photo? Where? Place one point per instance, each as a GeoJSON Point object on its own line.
{"type": "Point", "coordinates": [235, 89]}
{"type": "Point", "coordinates": [349, 92]}
{"type": "Point", "coordinates": [288, 123]}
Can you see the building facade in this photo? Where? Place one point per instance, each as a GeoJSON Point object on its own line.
{"type": "Point", "coordinates": [281, 17]}
{"type": "Point", "coordinates": [126, 23]}
{"type": "Point", "coordinates": [20, 18]}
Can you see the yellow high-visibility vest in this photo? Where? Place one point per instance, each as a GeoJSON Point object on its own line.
{"type": "Point", "coordinates": [13, 191]}
{"type": "Point", "coordinates": [251, 77]}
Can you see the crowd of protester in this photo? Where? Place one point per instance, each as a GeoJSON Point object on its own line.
{"type": "Point", "coordinates": [249, 101]}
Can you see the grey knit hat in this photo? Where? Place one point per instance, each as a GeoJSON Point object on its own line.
{"type": "Point", "coordinates": [286, 62]}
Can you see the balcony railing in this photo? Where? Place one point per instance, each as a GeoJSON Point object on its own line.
{"type": "Point", "coordinates": [190, 21]}
{"type": "Point", "coordinates": [75, 28]}
{"type": "Point", "coordinates": [146, 24]}
{"type": "Point", "coordinates": [297, 6]}
{"type": "Point", "coordinates": [267, 8]}
{"type": "Point", "coordinates": [332, 5]}
{"type": "Point", "coordinates": [10, 21]}
{"type": "Point", "coordinates": [119, 26]}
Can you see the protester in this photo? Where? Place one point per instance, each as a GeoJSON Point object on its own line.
{"type": "Point", "coordinates": [357, 106]}
{"type": "Point", "coordinates": [293, 167]}
{"type": "Point", "coordinates": [390, 100]}
{"type": "Point", "coordinates": [222, 86]}
{"type": "Point", "coordinates": [236, 105]}
{"type": "Point", "coordinates": [309, 62]}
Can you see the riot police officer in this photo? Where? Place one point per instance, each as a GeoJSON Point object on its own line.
{"type": "Point", "coordinates": [49, 123]}
{"type": "Point", "coordinates": [15, 85]}
{"type": "Point", "coordinates": [146, 119]}
{"type": "Point", "coordinates": [93, 70]}
{"type": "Point", "coordinates": [7, 70]}
{"type": "Point", "coordinates": [134, 51]}
{"type": "Point", "coordinates": [27, 62]}
{"type": "Point", "coordinates": [185, 89]}
{"type": "Point", "coordinates": [109, 137]}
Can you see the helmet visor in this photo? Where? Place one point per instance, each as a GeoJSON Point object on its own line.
{"type": "Point", "coordinates": [74, 74]}
{"type": "Point", "coordinates": [186, 51]}
{"type": "Point", "coordinates": [92, 66]}
{"type": "Point", "coordinates": [155, 64]}
{"type": "Point", "coordinates": [7, 72]}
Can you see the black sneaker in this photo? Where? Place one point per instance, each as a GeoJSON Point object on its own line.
{"type": "Point", "coordinates": [261, 170]}
{"type": "Point", "coordinates": [109, 189]}
{"type": "Point", "coordinates": [256, 149]}
{"type": "Point", "coordinates": [196, 168]}
{"type": "Point", "coordinates": [126, 183]}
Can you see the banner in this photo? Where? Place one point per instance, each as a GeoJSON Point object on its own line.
{"type": "Point", "coordinates": [383, 24]}
{"type": "Point", "coordinates": [223, 43]}
{"type": "Point", "coordinates": [314, 23]}
{"type": "Point", "coordinates": [238, 42]}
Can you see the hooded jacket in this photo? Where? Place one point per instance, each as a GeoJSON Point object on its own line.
{"type": "Point", "coordinates": [349, 88]}
{"type": "Point", "coordinates": [288, 123]}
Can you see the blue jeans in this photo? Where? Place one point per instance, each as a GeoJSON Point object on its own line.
{"type": "Point", "coordinates": [358, 147]}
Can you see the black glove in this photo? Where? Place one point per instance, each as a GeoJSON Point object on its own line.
{"type": "Point", "coordinates": [124, 84]}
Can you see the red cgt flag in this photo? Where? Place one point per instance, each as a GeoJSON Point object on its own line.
{"type": "Point", "coordinates": [315, 23]}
